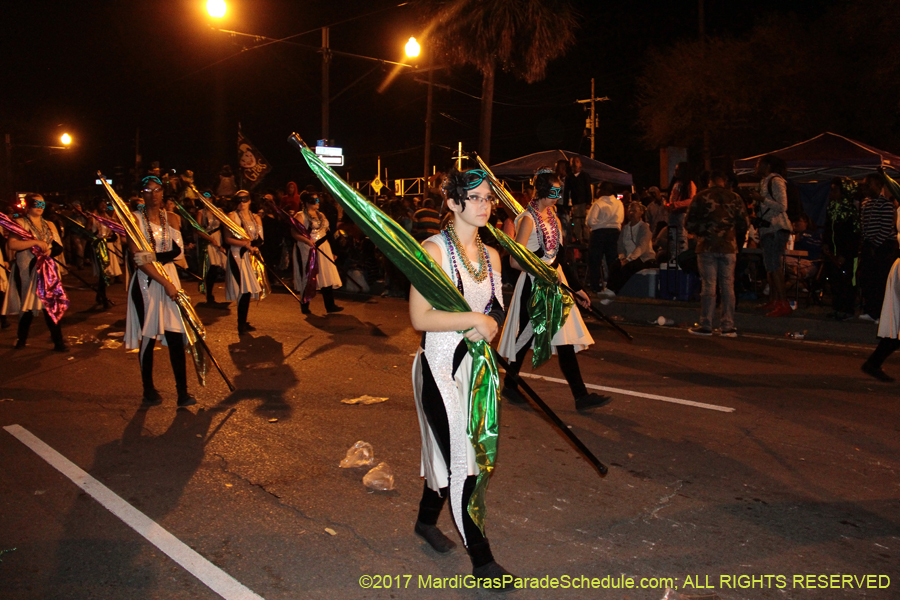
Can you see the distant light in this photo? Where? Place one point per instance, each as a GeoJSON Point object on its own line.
{"type": "Point", "coordinates": [412, 48]}
{"type": "Point", "coordinates": [216, 8]}
{"type": "Point", "coordinates": [66, 139]}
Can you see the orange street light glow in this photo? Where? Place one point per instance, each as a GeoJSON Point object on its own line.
{"type": "Point", "coordinates": [216, 8]}
{"type": "Point", "coordinates": [412, 48]}
{"type": "Point", "coordinates": [66, 139]}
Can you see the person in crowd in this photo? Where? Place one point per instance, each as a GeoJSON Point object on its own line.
{"type": "Point", "coordinates": [681, 192]}
{"type": "Point", "coordinates": [22, 296]}
{"type": "Point", "coordinates": [291, 202]}
{"type": "Point", "coordinates": [807, 238]}
{"type": "Point", "coordinates": [152, 313]}
{"type": "Point", "coordinates": [75, 242]}
{"type": "Point", "coordinates": [888, 327]}
{"type": "Point", "coordinates": [275, 233]}
{"type": "Point", "coordinates": [657, 214]}
{"type": "Point", "coordinates": [634, 248]}
{"type": "Point", "coordinates": [241, 282]}
{"type": "Point", "coordinates": [577, 188]}
{"type": "Point", "coordinates": [327, 276]}
{"type": "Point", "coordinates": [442, 368]}
{"type": "Point", "coordinates": [604, 219]}
{"type": "Point", "coordinates": [841, 238]}
{"type": "Point", "coordinates": [213, 254]}
{"type": "Point", "coordinates": [714, 216]}
{"type": "Point", "coordinates": [427, 221]}
{"type": "Point", "coordinates": [538, 229]}
{"type": "Point", "coordinates": [879, 245]}
{"type": "Point", "coordinates": [227, 187]}
{"type": "Point", "coordinates": [774, 230]}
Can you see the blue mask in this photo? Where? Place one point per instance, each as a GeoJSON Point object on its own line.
{"type": "Point", "coordinates": [39, 204]}
{"type": "Point", "coordinates": [555, 193]}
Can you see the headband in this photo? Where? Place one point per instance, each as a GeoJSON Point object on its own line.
{"type": "Point", "coordinates": [151, 179]}
{"type": "Point", "coordinates": [458, 183]}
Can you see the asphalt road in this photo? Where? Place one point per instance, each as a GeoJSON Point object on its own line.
{"type": "Point", "coordinates": [794, 475]}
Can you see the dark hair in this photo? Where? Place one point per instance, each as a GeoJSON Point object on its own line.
{"type": "Point", "coordinates": [605, 188]}
{"type": "Point", "coordinates": [717, 175]}
{"type": "Point", "coordinates": [876, 178]}
{"type": "Point", "coordinates": [31, 198]}
{"type": "Point", "coordinates": [428, 202]}
{"type": "Point", "coordinates": [776, 164]}
{"type": "Point", "coordinates": [563, 168]}
{"type": "Point", "coordinates": [543, 181]}
{"type": "Point", "coordinates": [307, 197]}
{"type": "Point", "coordinates": [457, 184]}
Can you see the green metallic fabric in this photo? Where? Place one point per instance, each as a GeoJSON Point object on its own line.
{"type": "Point", "coordinates": [550, 304]}
{"type": "Point", "coordinates": [434, 285]}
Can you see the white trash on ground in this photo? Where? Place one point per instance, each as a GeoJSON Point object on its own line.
{"type": "Point", "coordinates": [366, 399]}
{"type": "Point", "coordinates": [360, 454]}
{"type": "Point", "coordinates": [381, 478]}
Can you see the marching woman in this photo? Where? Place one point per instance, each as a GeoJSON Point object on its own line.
{"type": "Point", "coordinates": [4, 280]}
{"type": "Point", "coordinates": [152, 312]}
{"type": "Point", "coordinates": [327, 277]}
{"type": "Point", "coordinates": [538, 229]}
{"type": "Point", "coordinates": [104, 251]}
{"type": "Point", "coordinates": [215, 260]}
{"type": "Point", "coordinates": [241, 283]}
{"type": "Point", "coordinates": [442, 368]}
{"type": "Point", "coordinates": [22, 292]}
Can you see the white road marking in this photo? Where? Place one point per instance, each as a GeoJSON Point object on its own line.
{"type": "Point", "coordinates": [212, 576]}
{"type": "Point", "coordinates": [604, 388]}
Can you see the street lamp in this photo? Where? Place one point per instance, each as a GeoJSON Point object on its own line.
{"type": "Point", "coordinates": [66, 139]}
{"type": "Point", "coordinates": [216, 8]}
{"type": "Point", "coordinates": [412, 48]}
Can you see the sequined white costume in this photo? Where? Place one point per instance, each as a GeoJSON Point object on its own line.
{"type": "Point", "coordinates": [439, 351]}
{"type": "Point", "coordinates": [150, 311]}
{"type": "Point", "coordinates": [328, 273]}
{"type": "Point", "coordinates": [240, 276]}
{"type": "Point", "coordinates": [573, 332]}
{"type": "Point", "coordinates": [214, 229]}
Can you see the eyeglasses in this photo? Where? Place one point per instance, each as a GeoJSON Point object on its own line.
{"type": "Point", "coordinates": [244, 198]}
{"type": "Point", "coordinates": [489, 199]}
{"type": "Point", "coordinates": [152, 190]}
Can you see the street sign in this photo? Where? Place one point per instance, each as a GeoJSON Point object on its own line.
{"type": "Point", "coordinates": [331, 155]}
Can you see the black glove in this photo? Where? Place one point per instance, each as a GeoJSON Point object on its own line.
{"type": "Point", "coordinates": [55, 249]}
{"type": "Point", "coordinates": [256, 243]}
{"type": "Point", "coordinates": [112, 238]}
{"type": "Point", "coordinates": [170, 256]}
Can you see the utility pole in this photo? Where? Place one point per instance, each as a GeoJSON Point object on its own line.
{"type": "Point", "coordinates": [326, 64]}
{"type": "Point", "coordinates": [428, 125]}
{"type": "Point", "coordinates": [592, 121]}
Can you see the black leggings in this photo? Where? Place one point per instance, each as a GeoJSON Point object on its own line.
{"type": "Point", "coordinates": [243, 308]}
{"type": "Point", "coordinates": [432, 502]}
{"type": "Point", "coordinates": [25, 325]}
{"type": "Point", "coordinates": [212, 274]}
{"type": "Point", "coordinates": [886, 347]}
{"type": "Point", "coordinates": [568, 364]}
{"type": "Point", "coordinates": [175, 342]}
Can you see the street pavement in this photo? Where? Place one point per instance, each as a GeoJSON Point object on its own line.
{"type": "Point", "coordinates": [728, 458]}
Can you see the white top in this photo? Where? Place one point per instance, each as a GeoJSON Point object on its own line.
{"type": "Point", "coordinates": [606, 212]}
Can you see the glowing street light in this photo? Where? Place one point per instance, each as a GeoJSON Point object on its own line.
{"type": "Point", "coordinates": [216, 8]}
{"type": "Point", "coordinates": [412, 48]}
{"type": "Point", "coordinates": [66, 139]}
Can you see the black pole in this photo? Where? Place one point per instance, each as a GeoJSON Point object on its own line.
{"type": "Point", "coordinates": [553, 417]}
{"type": "Point", "coordinates": [601, 316]}
{"type": "Point", "coordinates": [82, 280]}
{"type": "Point", "coordinates": [215, 363]}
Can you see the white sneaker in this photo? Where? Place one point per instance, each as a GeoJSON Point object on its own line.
{"type": "Point", "coordinates": [606, 301]}
{"type": "Point", "coordinates": [607, 293]}
{"type": "Point", "coordinates": [865, 317]}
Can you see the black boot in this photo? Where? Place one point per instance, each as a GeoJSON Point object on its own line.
{"type": "Point", "coordinates": [426, 524]}
{"type": "Point", "coordinates": [489, 573]}
{"type": "Point", "coordinates": [328, 297]}
{"type": "Point", "coordinates": [25, 320]}
{"type": "Point", "coordinates": [304, 308]}
{"type": "Point", "coordinates": [151, 396]}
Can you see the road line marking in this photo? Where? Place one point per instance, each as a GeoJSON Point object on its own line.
{"type": "Point", "coordinates": [604, 388]}
{"type": "Point", "coordinates": [212, 576]}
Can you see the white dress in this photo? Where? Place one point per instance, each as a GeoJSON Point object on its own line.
{"type": "Point", "coordinates": [889, 323]}
{"type": "Point", "coordinates": [23, 297]}
{"type": "Point", "coordinates": [328, 273]}
{"type": "Point", "coordinates": [102, 231]}
{"type": "Point", "coordinates": [573, 332]}
{"type": "Point", "coordinates": [151, 313]}
{"type": "Point", "coordinates": [440, 347]}
{"type": "Point", "coordinates": [214, 229]}
{"type": "Point", "coordinates": [240, 276]}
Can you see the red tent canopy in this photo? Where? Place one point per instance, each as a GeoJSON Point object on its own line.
{"type": "Point", "coordinates": [825, 156]}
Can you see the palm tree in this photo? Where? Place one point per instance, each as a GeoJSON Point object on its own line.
{"type": "Point", "coordinates": [517, 36]}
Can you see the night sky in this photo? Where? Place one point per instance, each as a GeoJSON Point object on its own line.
{"type": "Point", "coordinates": [102, 69]}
